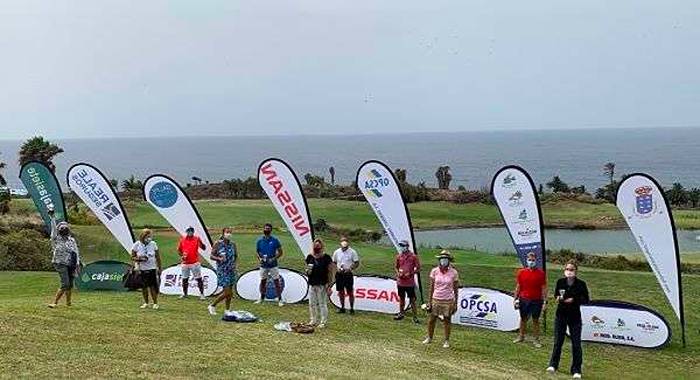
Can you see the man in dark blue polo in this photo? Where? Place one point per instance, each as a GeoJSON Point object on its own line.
{"type": "Point", "coordinates": [269, 251]}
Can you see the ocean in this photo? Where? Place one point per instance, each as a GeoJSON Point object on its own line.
{"type": "Point", "coordinates": [577, 156]}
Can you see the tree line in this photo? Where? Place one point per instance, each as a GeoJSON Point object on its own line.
{"type": "Point", "coordinates": [316, 186]}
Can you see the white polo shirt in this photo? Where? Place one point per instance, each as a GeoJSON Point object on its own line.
{"type": "Point", "coordinates": [345, 259]}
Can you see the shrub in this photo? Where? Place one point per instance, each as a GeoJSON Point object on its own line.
{"type": "Point", "coordinates": [25, 250]}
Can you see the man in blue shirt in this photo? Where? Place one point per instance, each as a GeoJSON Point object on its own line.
{"type": "Point", "coordinates": [269, 251]}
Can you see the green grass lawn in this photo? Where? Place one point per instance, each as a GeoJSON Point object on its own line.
{"type": "Point", "coordinates": [105, 334]}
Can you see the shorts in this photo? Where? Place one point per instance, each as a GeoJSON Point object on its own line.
{"type": "Point", "coordinates": [409, 291]}
{"type": "Point", "coordinates": [67, 275]}
{"type": "Point", "coordinates": [344, 282]}
{"type": "Point", "coordinates": [530, 308]}
{"type": "Point", "coordinates": [150, 278]}
{"type": "Point", "coordinates": [194, 269]}
{"type": "Point", "coordinates": [442, 307]}
{"type": "Point", "coordinates": [266, 273]}
{"type": "Point", "coordinates": [226, 279]}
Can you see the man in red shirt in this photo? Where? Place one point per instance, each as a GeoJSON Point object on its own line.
{"type": "Point", "coordinates": [407, 265]}
{"type": "Point", "coordinates": [530, 297]}
{"type": "Point", "coordinates": [188, 248]}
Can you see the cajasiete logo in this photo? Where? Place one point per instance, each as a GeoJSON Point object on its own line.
{"type": "Point", "coordinates": [375, 182]}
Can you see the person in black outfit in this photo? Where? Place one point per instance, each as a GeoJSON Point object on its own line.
{"type": "Point", "coordinates": [570, 293]}
{"type": "Point", "coordinates": [320, 271]}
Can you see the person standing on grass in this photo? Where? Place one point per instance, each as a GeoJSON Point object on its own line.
{"type": "Point", "coordinates": [146, 258]}
{"type": "Point", "coordinates": [406, 265]}
{"type": "Point", "coordinates": [571, 293]}
{"type": "Point", "coordinates": [269, 251]}
{"type": "Point", "coordinates": [319, 269]}
{"type": "Point", "coordinates": [65, 258]}
{"type": "Point", "coordinates": [531, 297]}
{"type": "Point", "coordinates": [225, 253]}
{"type": "Point", "coordinates": [346, 261]}
{"type": "Point", "coordinates": [189, 247]}
{"type": "Point", "coordinates": [444, 292]}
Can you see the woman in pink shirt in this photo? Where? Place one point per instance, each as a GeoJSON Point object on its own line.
{"type": "Point", "coordinates": [444, 288]}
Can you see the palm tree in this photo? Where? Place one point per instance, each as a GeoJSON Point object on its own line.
{"type": "Point", "coordinates": [3, 182]}
{"type": "Point", "coordinates": [694, 196]}
{"type": "Point", "coordinates": [609, 171]}
{"type": "Point", "coordinates": [5, 197]}
{"type": "Point", "coordinates": [444, 177]}
{"type": "Point", "coordinates": [38, 149]}
{"type": "Point", "coordinates": [331, 170]}
{"type": "Point", "coordinates": [132, 183]}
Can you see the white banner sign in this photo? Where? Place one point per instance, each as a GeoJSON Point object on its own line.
{"type": "Point", "coordinates": [171, 282]}
{"type": "Point", "coordinates": [644, 208]}
{"type": "Point", "coordinates": [487, 308]}
{"type": "Point", "coordinates": [515, 195]}
{"type": "Point", "coordinates": [373, 293]}
{"type": "Point", "coordinates": [381, 190]}
{"type": "Point", "coordinates": [622, 323]}
{"type": "Point", "coordinates": [284, 190]}
{"type": "Point", "coordinates": [168, 198]}
{"type": "Point", "coordinates": [90, 185]}
{"type": "Point", "coordinates": [294, 286]}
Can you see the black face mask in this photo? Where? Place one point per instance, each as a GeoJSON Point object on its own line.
{"type": "Point", "coordinates": [267, 232]}
{"type": "Point", "coordinates": [64, 232]}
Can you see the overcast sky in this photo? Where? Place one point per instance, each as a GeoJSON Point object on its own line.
{"type": "Point", "coordinates": [152, 68]}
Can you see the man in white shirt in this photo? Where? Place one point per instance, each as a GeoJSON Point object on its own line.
{"type": "Point", "coordinates": [346, 260]}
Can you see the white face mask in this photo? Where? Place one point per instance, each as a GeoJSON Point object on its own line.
{"type": "Point", "coordinates": [569, 274]}
{"type": "Point", "coordinates": [148, 240]}
{"type": "Point", "coordinates": [344, 244]}
{"type": "Point", "coordinates": [444, 262]}
{"type": "Point", "coordinates": [531, 263]}
{"type": "Point", "coordinates": [227, 235]}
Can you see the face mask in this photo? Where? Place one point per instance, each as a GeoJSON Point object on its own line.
{"type": "Point", "coordinates": [64, 232]}
{"type": "Point", "coordinates": [344, 244]}
{"type": "Point", "coordinates": [267, 232]}
{"type": "Point", "coordinates": [404, 249]}
{"type": "Point", "coordinates": [227, 235]}
{"type": "Point", "coordinates": [147, 240]}
{"type": "Point", "coordinates": [531, 263]}
{"type": "Point", "coordinates": [317, 249]}
{"type": "Point", "coordinates": [444, 262]}
{"type": "Point", "coordinates": [190, 234]}
{"type": "Point", "coordinates": [569, 274]}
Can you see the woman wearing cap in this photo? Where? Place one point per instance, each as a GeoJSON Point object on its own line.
{"type": "Point", "coordinates": [146, 258]}
{"type": "Point", "coordinates": [570, 293]}
{"type": "Point", "coordinates": [66, 258]}
{"type": "Point", "coordinates": [225, 253]}
{"type": "Point", "coordinates": [444, 288]}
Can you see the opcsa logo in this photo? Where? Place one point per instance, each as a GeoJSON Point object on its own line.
{"type": "Point", "coordinates": [509, 181]}
{"type": "Point", "coordinates": [480, 310]}
{"type": "Point", "coordinates": [375, 182]}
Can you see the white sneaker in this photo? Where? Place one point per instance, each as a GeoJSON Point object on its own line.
{"type": "Point", "coordinates": [144, 306]}
{"type": "Point", "coordinates": [427, 340]}
{"type": "Point", "coordinates": [202, 298]}
{"type": "Point", "coordinates": [322, 325]}
{"type": "Point", "coordinates": [577, 376]}
{"type": "Point", "coordinates": [446, 344]}
{"type": "Point", "coordinates": [281, 303]}
{"type": "Point", "coordinates": [212, 309]}
{"type": "Point", "coordinates": [155, 306]}
{"type": "Point", "coordinates": [258, 302]}
{"type": "Point", "coordinates": [182, 297]}
{"type": "Point", "coordinates": [52, 305]}
{"type": "Point", "coordinates": [551, 370]}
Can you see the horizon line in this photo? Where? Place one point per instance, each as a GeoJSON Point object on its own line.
{"type": "Point", "coordinates": [493, 130]}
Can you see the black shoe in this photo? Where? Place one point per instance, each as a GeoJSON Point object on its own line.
{"type": "Point", "coordinates": [341, 311]}
{"type": "Point", "coordinates": [398, 317]}
{"type": "Point", "coordinates": [352, 311]}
